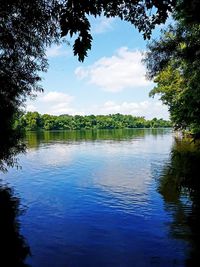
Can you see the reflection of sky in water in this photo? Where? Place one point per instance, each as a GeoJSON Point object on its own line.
{"type": "Point", "coordinates": [51, 155]}
{"type": "Point", "coordinates": [115, 174]}
{"type": "Point", "coordinates": [121, 170]}
{"type": "Point", "coordinates": [92, 203]}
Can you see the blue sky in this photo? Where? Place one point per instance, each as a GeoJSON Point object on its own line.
{"type": "Point", "coordinates": [111, 79]}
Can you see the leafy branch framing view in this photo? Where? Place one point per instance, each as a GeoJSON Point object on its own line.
{"type": "Point", "coordinates": [27, 28]}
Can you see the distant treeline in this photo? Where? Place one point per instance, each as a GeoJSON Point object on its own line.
{"type": "Point", "coordinates": [34, 121]}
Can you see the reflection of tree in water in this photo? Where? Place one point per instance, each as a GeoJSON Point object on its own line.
{"type": "Point", "coordinates": [180, 188]}
{"type": "Point", "coordinates": [10, 145]}
{"type": "Point", "coordinates": [13, 248]}
{"type": "Point", "coordinates": [35, 138]}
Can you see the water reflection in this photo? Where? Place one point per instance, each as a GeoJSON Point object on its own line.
{"type": "Point", "coordinates": [125, 190]}
{"type": "Point", "coordinates": [13, 247]}
{"type": "Point", "coordinates": [11, 145]}
{"type": "Point", "coordinates": [92, 200]}
{"type": "Point", "coordinates": [34, 139]}
{"type": "Point", "coordinates": [180, 188]}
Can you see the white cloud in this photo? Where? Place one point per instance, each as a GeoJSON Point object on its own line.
{"type": "Point", "coordinates": [101, 24]}
{"type": "Point", "coordinates": [56, 97]}
{"type": "Point", "coordinates": [54, 103]}
{"type": "Point", "coordinates": [122, 70]}
{"type": "Point", "coordinates": [57, 103]}
{"type": "Point", "coordinates": [31, 107]}
{"type": "Point", "coordinates": [57, 51]}
{"type": "Point", "coordinates": [148, 109]}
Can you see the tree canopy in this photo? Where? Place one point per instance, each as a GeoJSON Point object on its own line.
{"type": "Point", "coordinates": [28, 27]}
{"type": "Point", "coordinates": [143, 14]}
{"type": "Point", "coordinates": [173, 63]}
{"type": "Point", "coordinates": [35, 121]}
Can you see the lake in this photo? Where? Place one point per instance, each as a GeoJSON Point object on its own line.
{"type": "Point", "coordinates": [93, 199]}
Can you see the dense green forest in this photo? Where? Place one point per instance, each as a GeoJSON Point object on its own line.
{"type": "Point", "coordinates": [32, 121]}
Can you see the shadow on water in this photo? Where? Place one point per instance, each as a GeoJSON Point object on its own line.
{"type": "Point", "coordinates": [13, 247]}
{"type": "Point", "coordinates": [180, 187]}
{"type": "Point", "coordinates": [11, 144]}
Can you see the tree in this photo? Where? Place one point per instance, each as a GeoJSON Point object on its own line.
{"type": "Point", "coordinates": [188, 11]}
{"type": "Point", "coordinates": [32, 121]}
{"type": "Point", "coordinates": [143, 14]}
{"type": "Point", "coordinates": [173, 63]}
{"type": "Point", "coordinates": [28, 27]}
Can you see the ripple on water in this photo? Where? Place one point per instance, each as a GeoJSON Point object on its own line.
{"type": "Point", "coordinates": [94, 203]}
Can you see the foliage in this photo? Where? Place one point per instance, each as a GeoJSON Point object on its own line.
{"type": "Point", "coordinates": [26, 28]}
{"type": "Point", "coordinates": [188, 11]}
{"type": "Point", "coordinates": [143, 14]}
{"type": "Point", "coordinates": [35, 121]}
{"type": "Point", "coordinates": [173, 62]}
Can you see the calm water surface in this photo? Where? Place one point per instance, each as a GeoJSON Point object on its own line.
{"type": "Point", "coordinates": [91, 199]}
